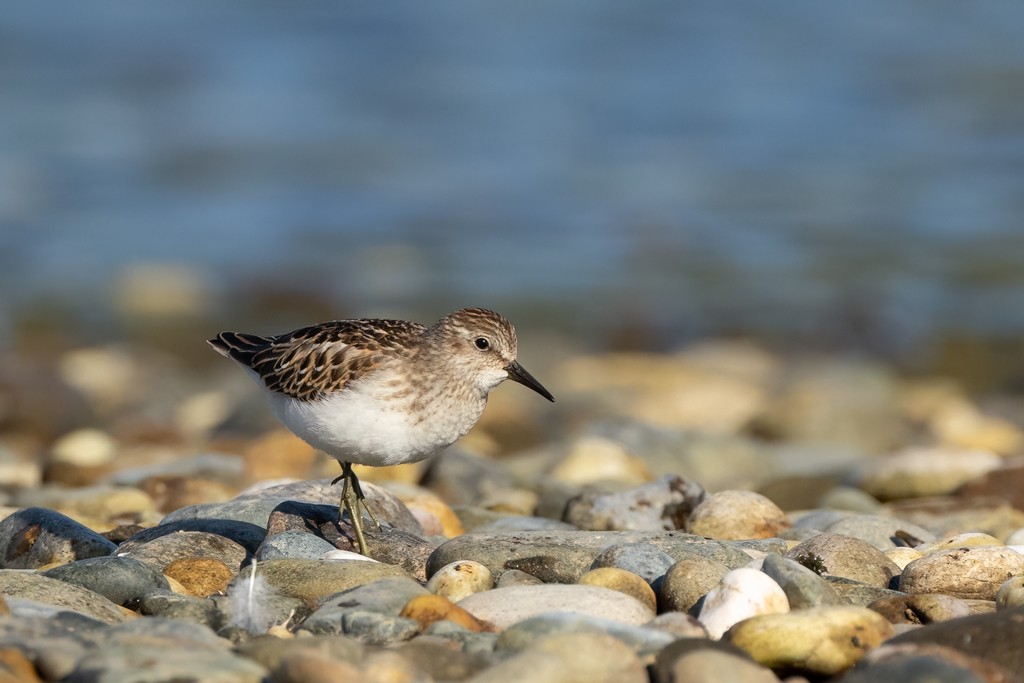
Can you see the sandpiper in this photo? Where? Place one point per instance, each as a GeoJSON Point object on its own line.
{"type": "Point", "coordinates": [381, 392]}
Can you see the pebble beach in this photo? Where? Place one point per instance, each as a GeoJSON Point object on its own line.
{"type": "Point", "coordinates": [721, 512]}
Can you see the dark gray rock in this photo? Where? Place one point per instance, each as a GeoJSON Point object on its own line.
{"type": "Point", "coordinates": [34, 537]}
{"type": "Point", "coordinates": [385, 596]}
{"type": "Point", "coordinates": [122, 580]}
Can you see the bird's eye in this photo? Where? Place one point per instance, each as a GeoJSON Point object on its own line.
{"type": "Point", "coordinates": [482, 343]}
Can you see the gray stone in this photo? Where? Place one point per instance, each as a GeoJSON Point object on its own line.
{"type": "Point", "coordinates": [463, 479]}
{"type": "Point", "coordinates": [696, 660]}
{"type": "Point", "coordinates": [803, 587]}
{"type": "Point", "coordinates": [221, 467]}
{"type": "Point", "coordinates": [643, 641]}
{"type": "Point", "coordinates": [881, 531]}
{"type": "Point", "coordinates": [660, 505]}
{"type": "Point", "coordinates": [293, 543]}
{"type": "Point", "coordinates": [122, 580]}
{"type": "Point", "coordinates": [386, 596]}
{"type": "Point", "coordinates": [374, 628]}
{"type": "Point", "coordinates": [270, 651]}
{"type": "Point", "coordinates": [169, 605]}
{"type": "Point", "coordinates": [58, 593]}
{"type": "Point", "coordinates": [515, 577]}
{"type": "Point", "coordinates": [643, 559]}
{"type": "Point", "coordinates": [859, 594]}
{"type": "Point", "coordinates": [523, 523]}
{"type": "Point", "coordinates": [146, 662]}
{"type": "Point", "coordinates": [34, 537]}
{"type": "Point", "coordinates": [395, 546]}
{"type": "Point", "coordinates": [564, 556]}
{"type": "Point", "coordinates": [161, 551]}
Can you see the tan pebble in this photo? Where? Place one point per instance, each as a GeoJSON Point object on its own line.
{"type": "Point", "coordinates": [958, 541]}
{"type": "Point", "coordinates": [426, 609]}
{"type": "Point", "coordinates": [623, 581]}
{"type": "Point", "coordinates": [903, 556]}
{"type": "Point", "coordinates": [457, 580]}
{"type": "Point", "coordinates": [968, 573]}
{"type": "Point", "coordinates": [595, 459]}
{"type": "Point", "coordinates": [821, 640]}
{"type": "Point", "coordinates": [387, 666]}
{"type": "Point", "coordinates": [306, 666]}
{"type": "Point", "coordinates": [919, 472]}
{"type": "Point", "coordinates": [690, 579]}
{"type": "Point", "coordinates": [279, 454]}
{"type": "Point", "coordinates": [84, 448]}
{"type": "Point", "coordinates": [435, 516]}
{"type": "Point", "coordinates": [200, 576]}
{"type": "Point", "coordinates": [1011, 593]}
{"type": "Point", "coordinates": [512, 501]}
{"type": "Point", "coordinates": [737, 515]}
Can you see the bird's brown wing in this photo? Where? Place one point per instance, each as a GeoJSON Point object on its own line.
{"type": "Point", "coordinates": [315, 361]}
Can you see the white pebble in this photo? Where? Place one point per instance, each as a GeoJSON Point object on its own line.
{"type": "Point", "coordinates": [742, 593]}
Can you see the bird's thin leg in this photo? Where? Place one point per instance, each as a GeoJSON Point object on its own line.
{"type": "Point", "coordinates": [362, 499]}
{"type": "Point", "coordinates": [350, 501]}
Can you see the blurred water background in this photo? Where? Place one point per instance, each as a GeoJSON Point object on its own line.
{"type": "Point", "coordinates": [815, 175]}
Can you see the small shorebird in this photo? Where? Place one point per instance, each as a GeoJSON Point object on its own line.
{"type": "Point", "coordinates": [381, 392]}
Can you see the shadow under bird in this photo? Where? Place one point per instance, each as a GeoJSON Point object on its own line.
{"type": "Point", "coordinates": [381, 392]}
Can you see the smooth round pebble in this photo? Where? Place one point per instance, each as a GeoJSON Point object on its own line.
{"type": "Point", "coordinates": [570, 658]}
{"type": "Point", "coordinates": [43, 589]}
{"type": "Point", "coordinates": [903, 556]}
{"type": "Point", "coordinates": [35, 537]}
{"type": "Point", "coordinates": [821, 640]}
{"type": "Point", "coordinates": [921, 472]}
{"type": "Point", "coordinates": [622, 581]}
{"type": "Point", "coordinates": [971, 573]}
{"type": "Point", "coordinates": [742, 593]}
{"type": "Point", "coordinates": [689, 580]}
{"type": "Point", "coordinates": [200, 576]}
{"type": "Point", "coordinates": [802, 586]}
{"type": "Point", "coordinates": [1011, 593]}
{"type": "Point", "coordinates": [708, 661]}
{"type": "Point", "coordinates": [506, 606]}
{"type": "Point", "coordinates": [659, 505]}
{"type": "Point", "coordinates": [881, 531]}
{"type": "Point", "coordinates": [457, 580]}
{"type": "Point", "coordinates": [737, 515]}
{"type": "Point", "coordinates": [964, 540]}
{"type": "Point", "coordinates": [121, 580]}
{"type": "Point", "coordinates": [847, 557]}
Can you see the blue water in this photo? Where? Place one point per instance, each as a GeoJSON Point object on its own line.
{"type": "Point", "coordinates": [699, 167]}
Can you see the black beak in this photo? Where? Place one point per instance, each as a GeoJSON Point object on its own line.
{"type": "Point", "coordinates": [517, 373]}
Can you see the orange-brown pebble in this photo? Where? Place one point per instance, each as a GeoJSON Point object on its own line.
{"type": "Point", "coordinates": [14, 666]}
{"type": "Point", "coordinates": [426, 609]}
{"type": "Point", "coordinates": [200, 576]}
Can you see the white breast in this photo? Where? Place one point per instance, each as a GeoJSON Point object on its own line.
{"type": "Point", "coordinates": [363, 425]}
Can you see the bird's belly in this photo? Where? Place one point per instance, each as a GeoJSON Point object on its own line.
{"type": "Point", "coordinates": [361, 428]}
